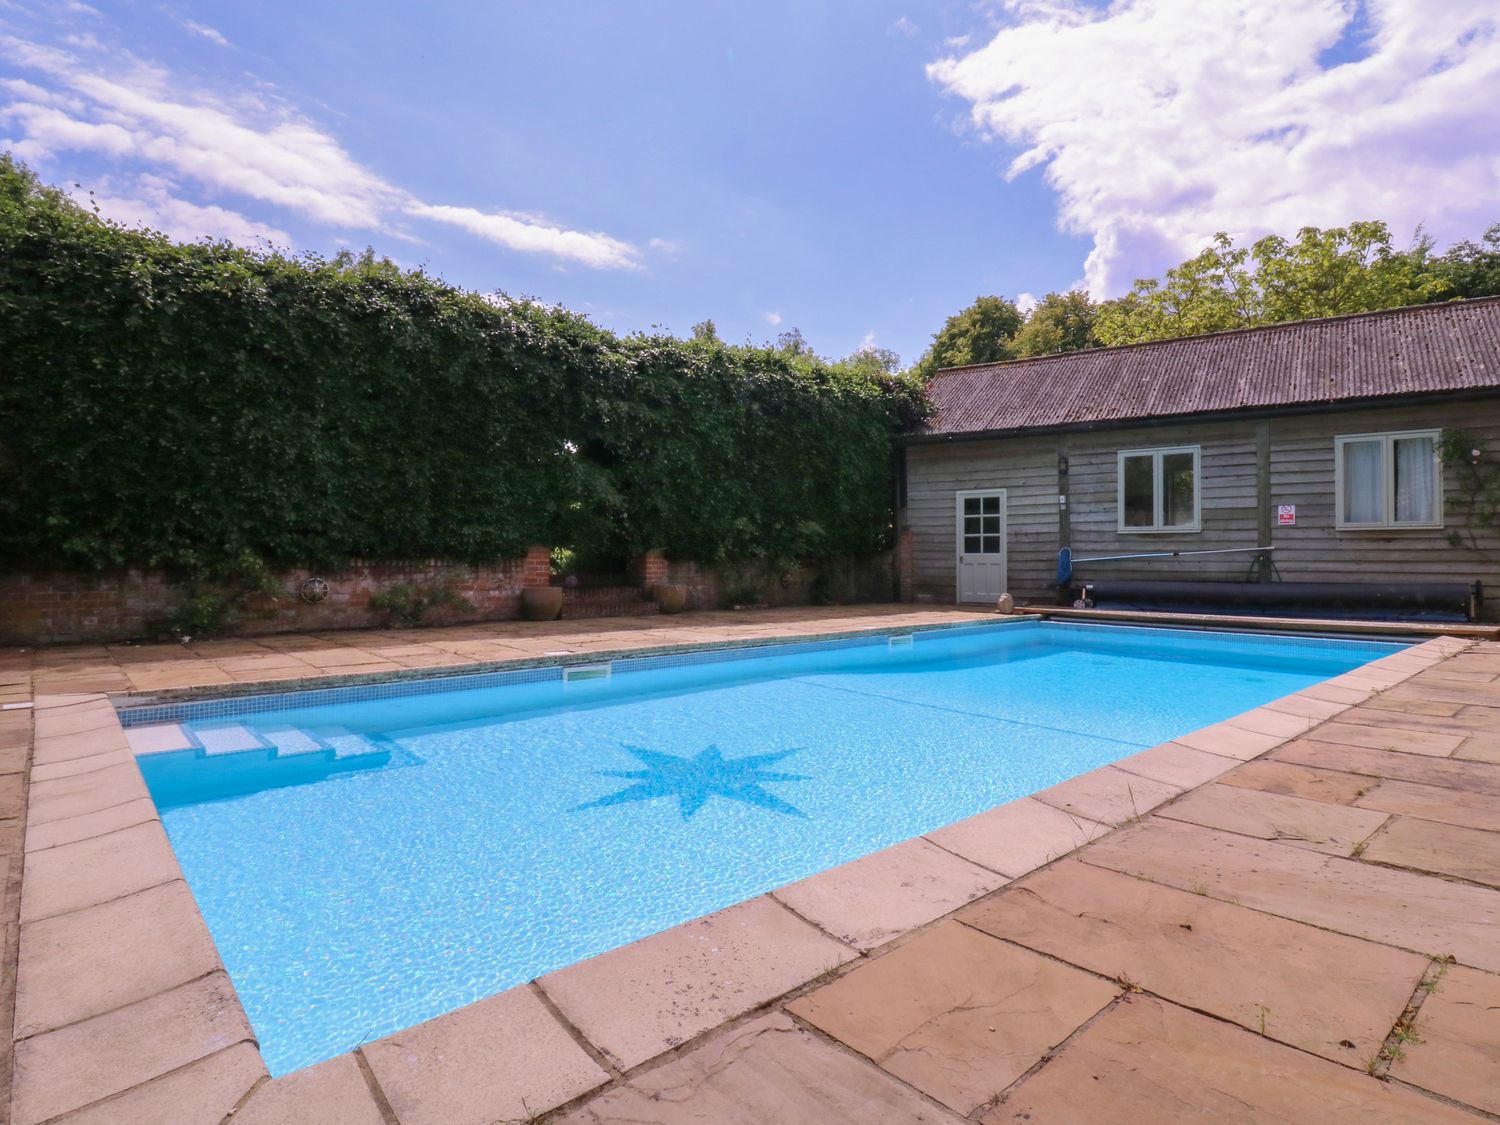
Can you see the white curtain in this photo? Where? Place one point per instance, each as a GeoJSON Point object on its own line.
{"type": "Point", "coordinates": [1416, 480]}
{"type": "Point", "coordinates": [1363, 480]}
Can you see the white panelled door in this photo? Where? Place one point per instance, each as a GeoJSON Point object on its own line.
{"type": "Point", "coordinates": [981, 544]}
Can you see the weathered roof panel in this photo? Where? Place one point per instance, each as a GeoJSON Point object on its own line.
{"type": "Point", "coordinates": [1422, 349]}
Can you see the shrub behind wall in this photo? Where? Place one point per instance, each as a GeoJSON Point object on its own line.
{"type": "Point", "coordinates": [181, 406]}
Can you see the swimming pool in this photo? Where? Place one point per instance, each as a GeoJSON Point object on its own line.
{"type": "Point", "coordinates": [370, 858]}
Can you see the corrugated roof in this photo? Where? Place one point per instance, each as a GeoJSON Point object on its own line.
{"type": "Point", "coordinates": [1418, 350]}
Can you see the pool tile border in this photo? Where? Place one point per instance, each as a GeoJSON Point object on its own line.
{"type": "Point", "coordinates": [147, 1058]}
{"type": "Point", "coordinates": [219, 700]}
{"type": "Point", "coordinates": [224, 701]}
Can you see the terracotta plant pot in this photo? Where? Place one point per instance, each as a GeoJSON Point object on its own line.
{"type": "Point", "coordinates": [671, 599]}
{"type": "Point", "coordinates": [541, 603]}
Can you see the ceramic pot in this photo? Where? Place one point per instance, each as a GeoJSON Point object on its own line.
{"type": "Point", "coordinates": [541, 603]}
{"type": "Point", "coordinates": [671, 599]}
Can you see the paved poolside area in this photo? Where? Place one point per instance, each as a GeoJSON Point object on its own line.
{"type": "Point", "coordinates": [1292, 916]}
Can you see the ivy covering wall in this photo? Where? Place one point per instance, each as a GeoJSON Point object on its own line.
{"type": "Point", "coordinates": [189, 407]}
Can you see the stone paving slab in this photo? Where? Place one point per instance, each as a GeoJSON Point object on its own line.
{"type": "Point", "coordinates": [1334, 829]}
{"type": "Point", "coordinates": [1444, 849]}
{"type": "Point", "coordinates": [1017, 837]}
{"type": "Point", "coordinates": [1385, 737]}
{"type": "Point", "coordinates": [956, 1013]}
{"type": "Point", "coordinates": [647, 997]}
{"type": "Point", "coordinates": [91, 961]}
{"type": "Point", "coordinates": [274, 658]}
{"type": "Point", "coordinates": [1430, 802]}
{"type": "Point", "coordinates": [334, 1091]}
{"type": "Point", "coordinates": [1457, 1050]}
{"type": "Point", "coordinates": [1399, 908]}
{"type": "Point", "coordinates": [74, 1066]}
{"type": "Point", "coordinates": [765, 1072]}
{"type": "Point", "coordinates": [86, 793]}
{"type": "Point", "coordinates": [1231, 741]}
{"type": "Point", "coordinates": [204, 1092]}
{"type": "Point", "coordinates": [504, 1058]}
{"type": "Point", "coordinates": [1474, 777]}
{"type": "Point", "coordinates": [1107, 795]}
{"type": "Point", "coordinates": [99, 869]}
{"type": "Point", "coordinates": [1326, 993]}
{"type": "Point", "coordinates": [1293, 780]}
{"type": "Point", "coordinates": [1150, 1063]}
{"type": "Point", "coordinates": [74, 828]}
{"type": "Point", "coordinates": [1177, 765]}
{"type": "Point", "coordinates": [868, 902]}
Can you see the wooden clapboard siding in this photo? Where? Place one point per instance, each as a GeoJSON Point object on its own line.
{"type": "Point", "coordinates": [1302, 473]}
{"type": "Point", "coordinates": [1235, 502]}
{"type": "Point", "coordinates": [1025, 467]}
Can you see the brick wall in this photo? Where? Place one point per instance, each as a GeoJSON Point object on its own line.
{"type": "Point", "coordinates": [651, 569]}
{"type": "Point", "coordinates": [55, 608]}
{"type": "Point", "coordinates": [62, 608]}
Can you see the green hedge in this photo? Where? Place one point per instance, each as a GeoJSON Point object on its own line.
{"type": "Point", "coordinates": [185, 406]}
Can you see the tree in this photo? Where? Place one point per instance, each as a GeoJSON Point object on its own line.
{"type": "Point", "coordinates": [1060, 322]}
{"type": "Point", "coordinates": [705, 330]}
{"type": "Point", "coordinates": [793, 343]}
{"type": "Point", "coordinates": [1470, 269]}
{"type": "Point", "coordinates": [875, 361]}
{"type": "Point", "coordinates": [981, 333]}
{"type": "Point", "coordinates": [1320, 273]}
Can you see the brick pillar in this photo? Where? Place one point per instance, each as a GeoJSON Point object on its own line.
{"type": "Point", "coordinates": [651, 569]}
{"type": "Point", "coordinates": [906, 567]}
{"type": "Point", "coordinates": [538, 570]}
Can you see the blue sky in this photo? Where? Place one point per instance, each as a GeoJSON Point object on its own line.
{"type": "Point", "coordinates": [856, 170]}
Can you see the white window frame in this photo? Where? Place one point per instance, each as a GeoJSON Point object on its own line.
{"type": "Point", "coordinates": [1388, 483]}
{"type": "Point", "coordinates": [1157, 494]}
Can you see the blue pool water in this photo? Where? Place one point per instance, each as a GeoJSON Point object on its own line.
{"type": "Point", "coordinates": [364, 865]}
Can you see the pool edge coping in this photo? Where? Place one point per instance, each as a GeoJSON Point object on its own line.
{"type": "Point", "coordinates": [205, 692]}
{"type": "Point", "coordinates": [547, 1010]}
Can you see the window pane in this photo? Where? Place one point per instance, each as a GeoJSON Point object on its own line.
{"type": "Point", "coordinates": [971, 544]}
{"type": "Point", "coordinates": [1416, 480]}
{"type": "Point", "coordinates": [1140, 506]}
{"type": "Point", "coordinates": [1179, 485]}
{"type": "Point", "coordinates": [971, 525]}
{"type": "Point", "coordinates": [992, 525]}
{"type": "Point", "coordinates": [991, 505]}
{"type": "Point", "coordinates": [992, 544]}
{"type": "Point", "coordinates": [971, 505]}
{"type": "Point", "coordinates": [1364, 482]}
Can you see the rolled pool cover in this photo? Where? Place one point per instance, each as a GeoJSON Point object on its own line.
{"type": "Point", "coordinates": [1441, 597]}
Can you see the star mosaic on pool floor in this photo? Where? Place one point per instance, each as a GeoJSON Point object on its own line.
{"type": "Point", "coordinates": [694, 780]}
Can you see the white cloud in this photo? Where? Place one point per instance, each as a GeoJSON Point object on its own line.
{"type": "Point", "coordinates": [905, 28]}
{"type": "Point", "coordinates": [1025, 302]}
{"type": "Point", "coordinates": [597, 250]}
{"type": "Point", "coordinates": [772, 318]}
{"type": "Point", "coordinates": [1159, 122]}
{"type": "Point", "coordinates": [150, 201]}
{"type": "Point", "coordinates": [246, 145]}
{"type": "Point", "coordinates": [206, 32]}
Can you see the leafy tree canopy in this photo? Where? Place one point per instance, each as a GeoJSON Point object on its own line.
{"type": "Point", "coordinates": [981, 333]}
{"type": "Point", "coordinates": [1472, 269]}
{"type": "Point", "coordinates": [1319, 273]}
{"type": "Point", "coordinates": [1060, 322]}
{"type": "Point", "coordinates": [873, 360]}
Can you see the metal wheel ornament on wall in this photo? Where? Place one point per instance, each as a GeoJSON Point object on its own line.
{"type": "Point", "coordinates": [314, 590]}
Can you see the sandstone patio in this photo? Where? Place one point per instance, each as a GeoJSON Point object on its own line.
{"type": "Point", "coordinates": [1293, 916]}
